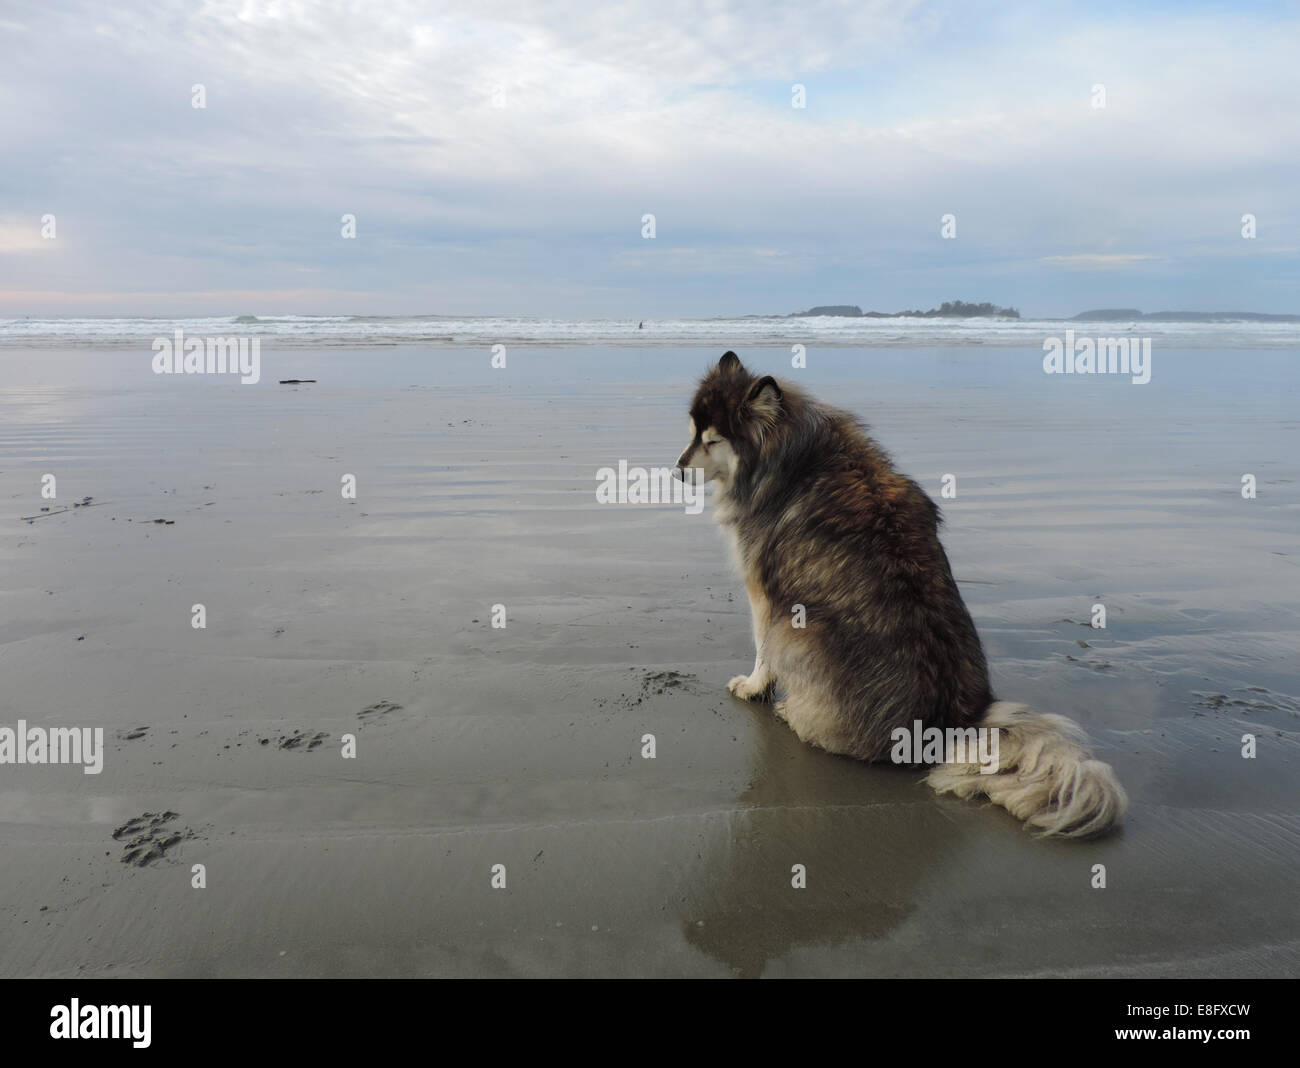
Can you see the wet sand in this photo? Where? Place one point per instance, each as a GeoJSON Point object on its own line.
{"type": "Point", "coordinates": [522, 746]}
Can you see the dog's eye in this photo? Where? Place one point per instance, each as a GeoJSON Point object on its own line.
{"type": "Point", "coordinates": [715, 441]}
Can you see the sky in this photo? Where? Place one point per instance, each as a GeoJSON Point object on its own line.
{"type": "Point", "coordinates": [499, 156]}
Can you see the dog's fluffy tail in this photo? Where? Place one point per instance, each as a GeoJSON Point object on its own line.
{"type": "Point", "coordinates": [1046, 775]}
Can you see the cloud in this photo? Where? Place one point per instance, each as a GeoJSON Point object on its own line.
{"type": "Point", "coordinates": [387, 111]}
{"type": "Point", "coordinates": [1099, 260]}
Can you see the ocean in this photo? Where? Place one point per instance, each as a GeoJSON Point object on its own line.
{"type": "Point", "coordinates": [467, 331]}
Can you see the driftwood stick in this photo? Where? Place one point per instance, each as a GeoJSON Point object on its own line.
{"type": "Point", "coordinates": [70, 508]}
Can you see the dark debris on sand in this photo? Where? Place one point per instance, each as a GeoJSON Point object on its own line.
{"type": "Point", "coordinates": [305, 740]}
{"type": "Point", "coordinates": [147, 837]}
{"type": "Point", "coordinates": [379, 708]}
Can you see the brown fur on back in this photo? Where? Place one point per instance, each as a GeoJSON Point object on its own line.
{"type": "Point", "coordinates": [821, 519]}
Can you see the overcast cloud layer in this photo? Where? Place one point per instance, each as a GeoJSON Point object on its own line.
{"type": "Point", "coordinates": [386, 110]}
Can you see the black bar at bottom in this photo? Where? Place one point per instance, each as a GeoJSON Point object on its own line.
{"type": "Point", "coordinates": [337, 1017]}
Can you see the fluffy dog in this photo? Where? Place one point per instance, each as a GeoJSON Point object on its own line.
{"type": "Point", "coordinates": [819, 518]}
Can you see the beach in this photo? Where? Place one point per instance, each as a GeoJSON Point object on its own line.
{"type": "Point", "coordinates": [513, 755]}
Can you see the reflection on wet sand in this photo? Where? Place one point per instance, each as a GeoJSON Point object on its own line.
{"type": "Point", "coordinates": [854, 827]}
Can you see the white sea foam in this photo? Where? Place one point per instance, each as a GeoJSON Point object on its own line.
{"type": "Point", "coordinates": [310, 331]}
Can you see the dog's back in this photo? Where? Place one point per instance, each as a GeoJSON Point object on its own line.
{"type": "Point", "coordinates": [828, 524]}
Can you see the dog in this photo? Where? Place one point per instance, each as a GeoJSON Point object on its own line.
{"type": "Point", "coordinates": [821, 523]}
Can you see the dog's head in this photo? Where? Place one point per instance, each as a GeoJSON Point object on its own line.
{"type": "Point", "coordinates": [731, 415]}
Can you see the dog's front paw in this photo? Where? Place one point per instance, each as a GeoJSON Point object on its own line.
{"type": "Point", "coordinates": [747, 689]}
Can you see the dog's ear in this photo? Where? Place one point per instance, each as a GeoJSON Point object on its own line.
{"type": "Point", "coordinates": [764, 399]}
{"type": "Point", "coordinates": [730, 362]}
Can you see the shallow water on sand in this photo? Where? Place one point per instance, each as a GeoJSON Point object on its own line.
{"type": "Point", "coordinates": [522, 746]}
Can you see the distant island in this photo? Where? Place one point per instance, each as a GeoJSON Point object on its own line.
{"type": "Point", "coordinates": [1111, 315]}
{"type": "Point", "coordinates": [848, 311]}
{"type": "Point", "coordinates": [949, 309]}
{"type": "Point", "coordinates": [960, 309]}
